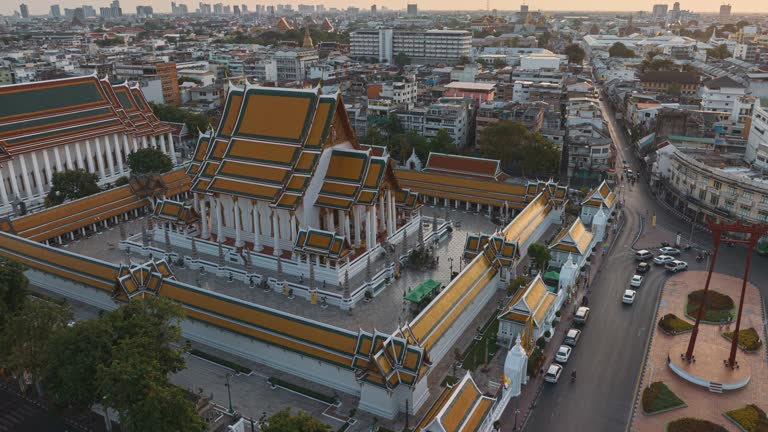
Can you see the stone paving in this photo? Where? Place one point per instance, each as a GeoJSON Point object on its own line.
{"type": "Point", "coordinates": [701, 402]}
{"type": "Point", "coordinates": [384, 313]}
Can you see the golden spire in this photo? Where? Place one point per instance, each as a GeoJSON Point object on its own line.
{"type": "Point", "coordinates": [307, 38]}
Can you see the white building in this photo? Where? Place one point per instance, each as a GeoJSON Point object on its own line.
{"type": "Point", "coordinates": [294, 65]}
{"type": "Point", "coordinates": [757, 144]}
{"type": "Point", "coordinates": [538, 61]}
{"type": "Point", "coordinates": [726, 96]}
{"type": "Point", "coordinates": [430, 46]}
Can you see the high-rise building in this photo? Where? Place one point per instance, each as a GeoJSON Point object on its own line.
{"type": "Point", "coordinates": [55, 11]}
{"type": "Point", "coordinates": [165, 72]}
{"type": "Point", "coordinates": [89, 11]}
{"type": "Point", "coordinates": [218, 8]}
{"type": "Point", "coordinates": [244, 8]}
{"type": "Point", "coordinates": [373, 9]}
{"type": "Point", "coordinates": [236, 9]}
{"type": "Point", "coordinates": [117, 11]}
{"type": "Point", "coordinates": [204, 9]}
{"type": "Point", "coordinates": [430, 46]}
{"type": "Point", "coordinates": [24, 9]}
{"type": "Point", "coordinates": [725, 10]}
{"type": "Point", "coordinates": [660, 10]}
{"type": "Point", "coordinates": [144, 11]}
{"type": "Point", "coordinates": [524, 9]}
{"type": "Point", "coordinates": [413, 9]}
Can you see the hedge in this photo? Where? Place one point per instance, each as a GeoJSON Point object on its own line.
{"type": "Point", "coordinates": [658, 398]}
{"type": "Point", "coordinates": [710, 315]}
{"type": "Point", "coordinates": [749, 339]}
{"type": "Point", "coordinates": [302, 390]}
{"type": "Point", "coordinates": [671, 324]}
{"type": "Point", "coordinates": [226, 363]}
{"type": "Point", "coordinates": [750, 418]}
{"type": "Point", "coordinates": [715, 300]}
{"type": "Point", "coordinates": [689, 424]}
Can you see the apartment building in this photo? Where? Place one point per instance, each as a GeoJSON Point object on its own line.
{"type": "Point", "coordinates": [452, 116]}
{"type": "Point", "coordinates": [148, 71]}
{"type": "Point", "coordinates": [421, 46]}
{"type": "Point", "coordinates": [757, 144]}
{"type": "Point", "coordinates": [294, 65]}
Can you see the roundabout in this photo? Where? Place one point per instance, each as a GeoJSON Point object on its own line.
{"type": "Point", "coordinates": [708, 368]}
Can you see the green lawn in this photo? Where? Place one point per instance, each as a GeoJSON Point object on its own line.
{"type": "Point", "coordinates": [712, 316]}
{"type": "Point", "coordinates": [671, 324]}
{"type": "Point", "coordinates": [474, 355]}
{"type": "Point", "coordinates": [659, 398]}
{"type": "Point", "coordinates": [689, 424]}
{"type": "Point", "coordinates": [750, 418]}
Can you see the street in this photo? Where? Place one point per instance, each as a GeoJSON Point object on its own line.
{"type": "Point", "coordinates": [610, 354]}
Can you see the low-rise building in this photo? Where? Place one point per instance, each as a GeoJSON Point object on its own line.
{"type": "Point", "coordinates": [658, 82]}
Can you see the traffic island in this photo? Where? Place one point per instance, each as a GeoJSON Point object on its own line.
{"type": "Point", "coordinates": [749, 418]}
{"type": "Point", "coordinates": [658, 398]}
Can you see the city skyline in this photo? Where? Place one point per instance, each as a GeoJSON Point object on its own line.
{"type": "Point", "coordinates": [129, 6]}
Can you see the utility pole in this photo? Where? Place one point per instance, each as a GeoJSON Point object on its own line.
{"type": "Point", "coordinates": [229, 395]}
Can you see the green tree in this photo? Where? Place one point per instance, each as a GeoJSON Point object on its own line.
{"type": "Point", "coordinates": [283, 421]}
{"type": "Point", "coordinates": [170, 113]}
{"type": "Point", "coordinates": [71, 185]}
{"type": "Point", "coordinates": [499, 63]}
{"type": "Point", "coordinates": [151, 412]}
{"type": "Point", "coordinates": [620, 50]}
{"type": "Point", "coordinates": [149, 160]}
{"type": "Point", "coordinates": [14, 288]}
{"type": "Point", "coordinates": [402, 59]}
{"type": "Point", "coordinates": [373, 136]}
{"type": "Point", "coordinates": [442, 143]}
{"type": "Point", "coordinates": [720, 52]}
{"type": "Point", "coordinates": [518, 148]}
{"type": "Point", "coordinates": [659, 65]}
{"type": "Point", "coordinates": [393, 125]}
{"type": "Point", "coordinates": [540, 255]}
{"type": "Point", "coordinates": [25, 336]}
{"type": "Point", "coordinates": [575, 53]}
{"type": "Point", "coordinates": [674, 89]}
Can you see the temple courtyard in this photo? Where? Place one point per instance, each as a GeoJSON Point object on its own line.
{"type": "Point", "coordinates": [710, 351]}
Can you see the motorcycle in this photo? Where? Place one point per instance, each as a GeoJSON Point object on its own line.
{"type": "Point", "coordinates": [699, 258]}
{"type": "Point", "coordinates": [687, 248]}
{"type": "Point", "coordinates": [573, 376]}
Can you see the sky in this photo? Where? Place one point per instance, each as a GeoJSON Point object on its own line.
{"type": "Point", "coordinates": [41, 7]}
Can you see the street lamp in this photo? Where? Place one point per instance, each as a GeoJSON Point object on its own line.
{"type": "Point", "coordinates": [517, 412]}
{"type": "Point", "coordinates": [450, 275]}
{"type": "Point", "coordinates": [229, 394]}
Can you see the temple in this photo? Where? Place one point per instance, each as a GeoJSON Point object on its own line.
{"type": "Point", "coordinates": [83, 122]}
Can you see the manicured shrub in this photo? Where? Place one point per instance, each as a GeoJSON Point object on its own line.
{"type": "Point", "coordinates": [671, 324]}
{"type": "Point", "coordinates": [658, 397]}
{"type": "Point", "coordinates": [715, 300]}
{"type": "Point", "coordinates": [750, 417]}
{"type": "Point", "coordinates": [689, 424]}
{"type": "Point", "coordinates": [749, 339]}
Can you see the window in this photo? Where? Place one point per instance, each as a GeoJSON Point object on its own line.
{"type": "Point", "coordinates": [762, 215]}
{"type": "Point", "coordinates": [744, 211]}
{"type": "Point", "coordinates": [718, 185]}
{"type": "Point", "coordinates": [702, 194]}
{"type": "Point", "coordinates": [731, 190]}
{"type": "Point", "coordinates": [729, 204]}
{"type": "Point", "coordinates": [747, 195]}
{"type": "Point", "coordinates": [714, 199]}
{"type": "Point", "coordinates": [764, 200]}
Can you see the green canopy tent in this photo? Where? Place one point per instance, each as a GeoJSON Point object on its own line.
{"type": "Point", "coordinates": [422, 290]}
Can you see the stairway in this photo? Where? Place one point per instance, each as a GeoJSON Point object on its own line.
{"type": "Point", "coordinates": [715, 387]}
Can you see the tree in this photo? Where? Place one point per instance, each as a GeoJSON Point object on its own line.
{"type": "Point", "coordinates": [442, 143]}
{"type": "Point", "coordinates": [170, 113]}
{"type": "Point", "coordinates": [540, 255]}
{"type": "Point", "coordinates": [71, 185]}
{"type": "Point", "coordinates": [373, 136]}
{"type": "Point", "coordinates": [659, 65]}
{"type": "Point", "coordinates": [620, 50]}
{"type": "Point", "coordinates": [720, 52]}
{"type": "Point", "coordinates": [283, 421]}
{"type": "Point", "coordinates": [152, 412]}
{"type": "Point", "coordinates": [575, 53]}
{"type": "Point", "coordinates": [518, 148]}
{"type": "Point", "coordinates": [149, 160]}
{"type": "Point", "coordinates": [25, 336]}
{"type": "Point", "coordinates": [13, 288]}
{"type": "Point", "coordinates": [393, 125]}
{"type": "Point", "coordinates": [499, 63]}
{"type": "Point", "coordinates": [402, 59]}
{"type": "Point", "coordinates": [674, 89]}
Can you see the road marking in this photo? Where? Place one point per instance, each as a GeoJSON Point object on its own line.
{"type": "Point", "coordinates": [641, 331]}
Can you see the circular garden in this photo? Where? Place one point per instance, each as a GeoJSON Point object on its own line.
{"type": "Point", "coordinates": [719, 308]}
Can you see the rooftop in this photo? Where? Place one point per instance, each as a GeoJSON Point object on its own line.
{"type": "Point", "coordinates": [470, 86]}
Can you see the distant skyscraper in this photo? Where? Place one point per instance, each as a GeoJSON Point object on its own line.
{"type": "Point", "coordinates": [660, 10]}
{"type": "Point", "coordinates": [524, 9]}
{"type": "Point", "coordinates": [218, 8]}
{"type": "Point", "coordinates": [676, 7]}
{"type": "Point", "coordinates": [244, 9]}
{"type": "Point", "coordinates": [89, 11]}
{"type": "Point", "coordinates": [373, 9]}
{"type": "Point", "coordinates": [144, 11]}
{"type": "Point", "coordinates": [413, 9]}
{"type": "Point", "coordinates": [236, 9]}
{"type": "Point", "coordinates": [725, 10]}
{"type": "Point", "coordinates": [55, 11]}
{"type": "Point", "coordinates": [24, 10]}
{"type": "Point", "coordinates": [117, 11]}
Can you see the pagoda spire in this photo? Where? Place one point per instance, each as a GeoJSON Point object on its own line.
{"type": "Point", "coordinates": [307, 38]}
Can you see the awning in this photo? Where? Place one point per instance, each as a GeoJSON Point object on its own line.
{"type": "Point", "coordinates": [552, 275]}
{"type": "Point", "coordinates": [422, 290]}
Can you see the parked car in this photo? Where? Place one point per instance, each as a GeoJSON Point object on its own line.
{"type": "Point", "coordinates": [553, 373]}
{"type": "Point", "coordinates": [642, 267]}
{"type": "Point", "coordinates": [629, 296]}
{"type": "Point", "coordinates": [666, 250]}
{"type": "Point", "coordinates": [563, 353]}
{"type": "Point", "coordinates": [581, 316]}
{"type": "Point", "coordinates": [663, 259]}
{"type": "Point", "coordinates": [572, 337]}
{"type": "Point", "coordinates": [643, 255]}
{"type": "Point", "coordinates": [636, 281]}
{"type": "Point", "coordinates": [676, 266]}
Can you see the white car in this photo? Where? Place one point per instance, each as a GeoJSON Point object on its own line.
{"type": "Point", "coordinates": [553, 373]}
{"type": "Point", "coordinates": [581, 316]}
{"type": "Point", "coordinates": [676, 266]}
{"type": "Point", "coordinates": [572, 337]}
{"type": "Point", "coordinates": [666, 250]}
{"type": "Point", "coordinates": [629, 296]}
{"type": "Point", "coordinates": [663, 259]}
{"type": "Point", "coordinates": [563, 353]}
{"type": "Point", "coordinates": [636, 281]}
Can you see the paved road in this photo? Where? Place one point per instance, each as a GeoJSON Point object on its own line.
{"type": "Point", "coordinates": [610, 353]}
{"type": "Point", "coordinates": [18, 414]}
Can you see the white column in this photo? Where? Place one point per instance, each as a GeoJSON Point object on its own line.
{"type": "Point", "coordinates": [36, 173]}
{"type": "Point", "coordinates": [3, 193]}
{"type": "Point", "coordinates": [236, 209]}
{"type": "Point", "coordinates": [375, 219]}
{"type": "Point", "coordinates": [135, 143]}
{"type": "Point", "coordinates": [358, 225]}
{"type": "Point", "coordinates": [153, 142]}
{"type": "Point", "coordinates": [14, 180]}
{"type": "Point", "coordinates": [204, 219]}
{"type": "Point", "coordinates": [99, 159]}
{"type": "Point", "coordinates": [89, 155]}
{"type": "Point", "coordinates": [329, 220]}
{"type": "Point", "coordinates": [381, 215]}
{"type": "Point", "coordinates": [48, 170]}
{"type": "Point", "coordinates": [118, 156]}
{"type": "Point", "coordinates": [108, 157]}
{"type": "Point", "coordinates": [79, 156]}
{"type": "Point", "coordinates": [276, 234]}
{"type": "Point", "coordinates": [163, 148]}
{"type": "Point", "coordinates": [171, 148]}
{"type": "Point", "coordinates": [126, 146]}
{"type": "Point", "coordinates": [25, 177]}
{"type": "Point", "coordinates": [219, 231]}
{"type": "Point", "coordinates": [256, 227]}
{"type": "Point", "coordinates": [294, 231]}
{"type": "Point", "coordinates": [347, 229]}
{"type": "Point", "coordinates": [368, 229]}
{"type": "Point", "coordinates": [144, 143]}
{"type": "Point", "coordinates": [57, 158]}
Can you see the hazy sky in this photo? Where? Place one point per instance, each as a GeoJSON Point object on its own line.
{"type": "Point", "coordinates": [41, 7]}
